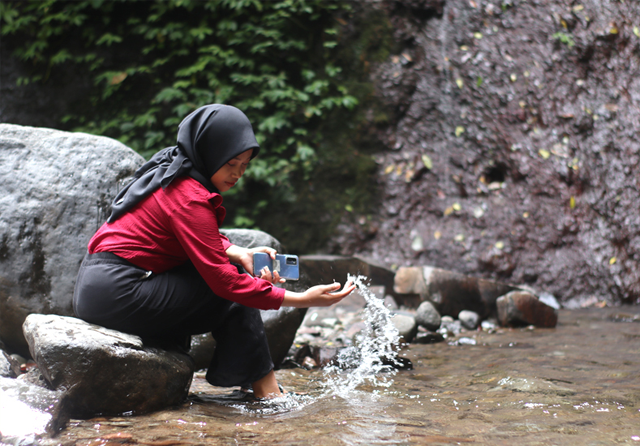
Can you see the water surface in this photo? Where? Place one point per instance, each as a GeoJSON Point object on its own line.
{"type": "Point", "coordinates": [576, 384]}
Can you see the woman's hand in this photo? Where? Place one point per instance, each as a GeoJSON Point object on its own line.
{"type": "Point", "coordinates": [244, 257]}
{"type": "Point", "coordinates": [318, 296]}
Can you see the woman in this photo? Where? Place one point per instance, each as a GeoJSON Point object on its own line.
{"type": "Point", "coordinates": [159, 268]}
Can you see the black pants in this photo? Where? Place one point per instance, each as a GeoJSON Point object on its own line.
{"type": "Point", "coordinates": [114, 293]}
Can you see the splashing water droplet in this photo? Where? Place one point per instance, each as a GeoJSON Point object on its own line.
{"type": "Point", "coordinates": [374, 354]}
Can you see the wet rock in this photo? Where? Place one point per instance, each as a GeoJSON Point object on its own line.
{"type": "Point", "coordinates": [406, 326]}
{"type": "Point", "coordinates": [532, 385]}
{"type": "Point", "coordinates": [522, 308]}
{"type": "Point", "coordinates": [450, 292]}
{"type": "Point", "coordinates": [104, 371]}
{"type": "Point", "coordinates": [9, 367]}
{"type": "Point", "coordinates": [428, 317]}
{"type": "Point", "coordinates": [55, 191]}
{"type": "Point", "coordinates": [428, 338]}
{"type": "Point", "coordinates": [28, 410]}
{"type": "Point", "coordinates": [450, 327]}
{"type": "Point", "coordinates": [469, 319]}
{"type": "Point", "coordinates": [201, 351]}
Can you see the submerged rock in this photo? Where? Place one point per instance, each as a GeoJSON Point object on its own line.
{"type": "Point", "coordinates": [104, 371]}
{"type": "Point", "coordinates": [523, 308]}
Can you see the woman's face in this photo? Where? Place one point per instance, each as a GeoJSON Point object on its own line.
{"type": "Point", "coordinates": [228, 175]}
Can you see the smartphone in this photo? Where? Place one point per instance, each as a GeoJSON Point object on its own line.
{"type": "Point", "coordinates": [287, 265]}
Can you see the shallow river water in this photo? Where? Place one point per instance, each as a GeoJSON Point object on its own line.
{"type": "Point", "coordinates": [576, 384]}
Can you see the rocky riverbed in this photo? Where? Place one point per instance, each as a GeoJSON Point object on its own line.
{"type": "Point", "coordinates": [575, 384]}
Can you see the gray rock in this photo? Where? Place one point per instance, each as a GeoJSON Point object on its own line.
{"type": "Point", "coordinates": [390, 302]}
{"type": "Point", "coordinates": [55, 191]}
{"type": "Point", "coordinates": [469, 319]}
{"type": "Point", "coordinates": [281, 327]}
{"type": "Point", "coordinates": [406, 326]}
{"type": "Point", "coordinates": [9, 367]}
{"type": "Point", "coordinates": [104, 371]}
{"type": "Point", "coordinates": [522, 308]}
{"type": "Point", "coordinates": [428, 317]}
{"type": "Point", "coordinates": [549, 299]}
{"type": "Point", "coordinates": [450, 292]}
{"type": "Point", "coordinates": [250, 238]}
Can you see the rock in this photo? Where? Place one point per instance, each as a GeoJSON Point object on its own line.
{"type": "Point", "coordinates": [549, 299]}
{"type": "Point", "coordinates": [390, 303]}
{"type": "Point", "coordinates": [27, 410]}
{"type": "Point", "coordinates": [281, 327]}
{"type": "Point", "coordinates": [104, 371]}
{"type": "Point", "coordinates": [522, 308]}
{"type": "Point", "coordinates": [251, 238]}
{"type": "Point", "coordinates": [9, 367]}
{"type": "Point", "coordinates": [469, 319]}
{"type": "Point", "coordinates": [320, 269]}
{"type": "Point", "coordinates": [450, 292]}
{"type": "Point", "coordinates": [428, 317]}
{"type": "Point", "coordinates": [428, 338]}
{"type": "Point", "coordinates": [406, 326]}
{"type": "Point", "coordinates": [201, 351]}
{"type": "Point", "coordinates": [55, 191]}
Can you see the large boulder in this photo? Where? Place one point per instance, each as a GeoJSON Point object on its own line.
{"type": "Point", "coordinates": [55, 191]}
{"type": "Point", "coordinates": [103, 371]}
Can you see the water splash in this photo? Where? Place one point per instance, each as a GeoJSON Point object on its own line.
{"type": "Point", "coordinates": [372, 358]}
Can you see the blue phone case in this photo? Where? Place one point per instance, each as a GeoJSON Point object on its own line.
{"type": "Point", "coordinates": [287, 265]}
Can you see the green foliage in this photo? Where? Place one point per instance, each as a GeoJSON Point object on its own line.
{"type": "Point", "coordinates": [283, 62]}
{"type": "Point", "coordinates": [565, 38]}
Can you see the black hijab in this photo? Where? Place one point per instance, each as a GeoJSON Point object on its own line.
{"type": "Point", "coordinates": [207, 139]}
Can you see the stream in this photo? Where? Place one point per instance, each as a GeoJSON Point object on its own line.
{"type": "Point", "coordinates": [576, 384]}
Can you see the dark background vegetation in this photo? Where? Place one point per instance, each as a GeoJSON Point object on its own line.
{"type": "Point", "coordinates": [498, 138]}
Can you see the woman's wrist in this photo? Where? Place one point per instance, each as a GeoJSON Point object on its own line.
{"type": "Point", "coordinates": [293, 299]}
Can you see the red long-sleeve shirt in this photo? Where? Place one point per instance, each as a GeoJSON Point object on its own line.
{"type": "Point", "coordinates": [181, 223]}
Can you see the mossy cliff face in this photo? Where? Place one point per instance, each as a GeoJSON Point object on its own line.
{"type": "Point", "coordinates": [512, 145]}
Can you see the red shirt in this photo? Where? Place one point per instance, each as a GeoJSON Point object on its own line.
{"type": "Point", "coordinates": [181, 223]}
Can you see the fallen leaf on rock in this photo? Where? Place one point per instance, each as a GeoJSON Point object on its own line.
{"type": "Point", "coordinates": [427, 162]}
{"type": "Point", "coordinates": [459, 130]}
{"type": "Point", "coordinates": [456, 206]}
{"type": "Point", "coordinates": [448, 211]}
{"type": "Point", "coordinates": [544, 153]}
{"type": "Point", "coordinates": [459, 83]}
{"type": "Point", "coordinates": [513, 77]}
{"type": "Point", "coordinates": [389, 169]}
{"type": "Point", "coordinates": [437, 235]}
{"type": "Point", "coordinates": [612, 260]}
{"type": "Point", "coordinates": [572, 202]}
{"type": "Point", "coordinates": [636, 31]}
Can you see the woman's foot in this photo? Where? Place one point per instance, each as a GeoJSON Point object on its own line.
{"type": "Point", "coordinates": [267, 387]}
